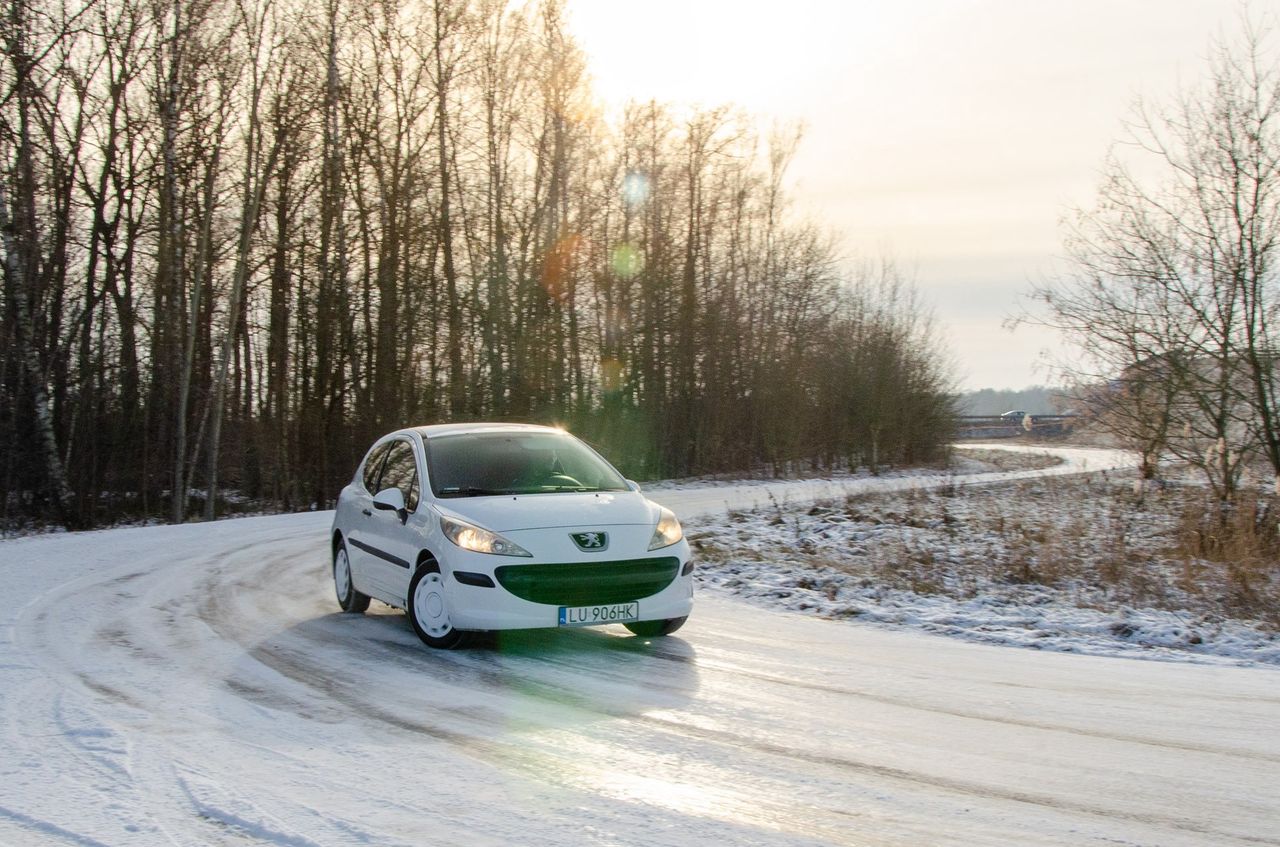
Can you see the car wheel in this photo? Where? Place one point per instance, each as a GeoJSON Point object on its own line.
{"type": "Point", "coordinates": [654, 629]}
{"type": "Point", "coordinates": [348, 598]}
{"type": "Point", "coordinates": [428, 610]}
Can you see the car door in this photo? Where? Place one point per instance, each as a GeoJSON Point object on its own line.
{"type": "Point", "coordinates": [364, 567]}
{"type": "Point", "coordinates": [391, 538]}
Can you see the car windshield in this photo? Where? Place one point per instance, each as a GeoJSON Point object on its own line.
{"type": "Point", "coordinates": [484, 463]}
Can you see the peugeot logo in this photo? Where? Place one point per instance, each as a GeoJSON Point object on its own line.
{"type": "Point", "coordinates": [590, 541]}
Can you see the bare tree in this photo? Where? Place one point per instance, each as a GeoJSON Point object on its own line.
{"type": "Point", "coordinates": [261, 45]}
{"type": "Point", "coordinates": [1172, 289]}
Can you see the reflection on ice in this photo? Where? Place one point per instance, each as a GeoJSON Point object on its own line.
{"type": "Point", "coordinates": [517, 681]}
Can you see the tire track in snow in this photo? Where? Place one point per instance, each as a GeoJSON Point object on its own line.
{"type": "Point", "coordinates": [904, 703]}
{"type": "Point", "coordinates": [43, 827]}
{"type": "Point", "coordinates": [962, 787]}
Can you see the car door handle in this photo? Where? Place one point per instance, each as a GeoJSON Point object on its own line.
{"type": "Point", "coordinates": [367, 513]}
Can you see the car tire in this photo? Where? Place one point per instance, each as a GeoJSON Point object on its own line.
{"type": "Point", "coordinates": [428, 610]}
{"type": "Point", "coordinates": [349, 598]}
{"type": "Point", "coordinates": [656, 629]}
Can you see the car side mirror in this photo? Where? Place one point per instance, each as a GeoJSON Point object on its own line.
{"type": "Point", "coordinates": [633, 485]}
{"type": "Point", "coordinates": [390, 500]}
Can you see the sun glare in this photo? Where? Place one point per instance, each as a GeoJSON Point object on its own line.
{"type": "Point", "coordinates": [760, 56]}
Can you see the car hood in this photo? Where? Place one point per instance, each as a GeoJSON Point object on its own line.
{"type": "Point", "coordinates": [509, 513]}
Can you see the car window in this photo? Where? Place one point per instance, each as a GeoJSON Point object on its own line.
{"type": "Point", "coordinates": [401, 471]}
{"type": "Point", "coordinates": [373, 466]}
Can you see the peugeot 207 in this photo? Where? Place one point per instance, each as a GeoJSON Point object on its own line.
{"type": "Point", "coordinates": [473, 527]}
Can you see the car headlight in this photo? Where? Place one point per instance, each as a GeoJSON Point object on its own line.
{"type": "Point", "coordinates": [477, 540]}
{"type": "Point", "coordinates": [667, 532]}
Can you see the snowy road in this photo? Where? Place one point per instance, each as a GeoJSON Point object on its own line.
{"type": "Point", "coordinates": [196, 685]}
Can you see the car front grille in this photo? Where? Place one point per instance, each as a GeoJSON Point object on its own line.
{"type": "Point", "coordinates": [589, 583]}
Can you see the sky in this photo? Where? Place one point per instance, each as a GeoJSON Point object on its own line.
{"type": "Point", "coordinates": [950, 135]}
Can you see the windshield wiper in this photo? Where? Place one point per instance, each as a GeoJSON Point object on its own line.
{"type": "Point", "coordinates": [471, 491]}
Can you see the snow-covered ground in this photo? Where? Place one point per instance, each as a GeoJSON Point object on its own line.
{"type": "Point", "coordinates": [196, 685]}
{"type": "Point", "coordinates": [1079, 565]}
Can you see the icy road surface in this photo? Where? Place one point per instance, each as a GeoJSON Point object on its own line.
{"type": "Point", "coordinates": [196, 685]}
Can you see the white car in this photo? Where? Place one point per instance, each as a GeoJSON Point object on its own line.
{"type": "Point", "coordinates": [471, 527]}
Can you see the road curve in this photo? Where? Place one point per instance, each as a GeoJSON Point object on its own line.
{"type": "Point", "coordinates": [196, 685]}
{"type": "Point", "coordinates": [747, 495]}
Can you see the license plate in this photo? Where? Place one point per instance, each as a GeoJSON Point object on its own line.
{"type": "Point", "coordinates": [594, 615]}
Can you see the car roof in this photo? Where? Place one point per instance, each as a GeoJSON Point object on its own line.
{"type": "Point", "coordinates": [436, 430]}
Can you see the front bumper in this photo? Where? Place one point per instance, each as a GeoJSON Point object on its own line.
{"type": "Point", "coordinates": [529, 594]}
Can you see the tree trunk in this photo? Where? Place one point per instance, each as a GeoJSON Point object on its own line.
{"type": "Point", "coordinates": [21, 258]}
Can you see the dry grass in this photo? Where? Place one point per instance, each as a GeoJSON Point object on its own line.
{"type": "Point", "coordinates": [1236, 547]}
{"type": "Point", "coordinates": [1092, 537]}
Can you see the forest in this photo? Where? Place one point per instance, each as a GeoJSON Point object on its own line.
{"type": "Point", "coordinates": [243, 238]}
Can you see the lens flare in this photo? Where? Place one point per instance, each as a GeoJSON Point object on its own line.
{"type": "Point", "coordinates": [635, 188]}
{"type": "Point", "coordinates": [557, 265]}
{"type": "Point", "coordinates": [627, 260]}
{"type": "Point", "coordinates": [610, 375]}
